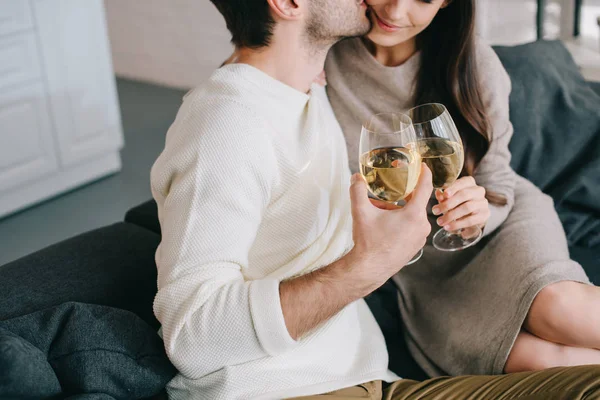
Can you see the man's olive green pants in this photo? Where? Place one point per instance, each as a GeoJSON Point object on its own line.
{"type": "Point", "coordinates": [572, 383]}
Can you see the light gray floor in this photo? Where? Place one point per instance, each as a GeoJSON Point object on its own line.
{"type": "Point", "coordinates": [147, 113]}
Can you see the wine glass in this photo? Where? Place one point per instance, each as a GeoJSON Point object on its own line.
{"type": "Point", "coordinates": [389, 159]}
{"type": "Point", "coordinates": [441, 149]}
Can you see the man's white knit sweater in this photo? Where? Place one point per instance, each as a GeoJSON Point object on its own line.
{"type": "Point", "coordinates": [252, 189]}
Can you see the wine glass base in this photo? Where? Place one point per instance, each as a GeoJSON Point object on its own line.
{"type": "Point", "coordinates": [416, 258]}
{"type": "Point", "coordinates": [455, 241]}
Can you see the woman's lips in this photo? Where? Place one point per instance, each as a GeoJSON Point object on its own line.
{"type": "Point", "coordinates": [384, 25]}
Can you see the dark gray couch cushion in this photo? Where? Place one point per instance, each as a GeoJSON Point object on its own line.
{"type": "Point", "coordinates": [112, 266]}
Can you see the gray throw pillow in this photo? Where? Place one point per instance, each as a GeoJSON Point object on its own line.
{"type": "Point", "coordinates": [25, 372]}
{"type": "Point", "coordinates": [93, 350]}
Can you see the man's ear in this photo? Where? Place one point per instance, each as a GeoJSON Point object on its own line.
{"type": "Point", "coordinates": [286, 9]}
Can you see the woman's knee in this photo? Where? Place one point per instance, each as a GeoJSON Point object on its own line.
{"type": "Point", "coordinates": [555, 305]}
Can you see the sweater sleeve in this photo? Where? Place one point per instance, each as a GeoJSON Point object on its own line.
{"type": "Point", "coordinates": [212, 184]}
{"type": "Point", "coordinates": [494, 172]}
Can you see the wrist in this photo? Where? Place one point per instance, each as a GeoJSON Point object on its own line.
{"type": "Point", "coordinates": [355, 276]}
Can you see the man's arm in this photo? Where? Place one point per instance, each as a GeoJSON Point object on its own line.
{"type": "Point", "coordinates": [385, 240]}
{"type": "Point", "coordinates": [313, 298]}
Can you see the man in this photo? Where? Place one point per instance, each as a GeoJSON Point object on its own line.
{"type": "Point", "coordinates": [265, 258]}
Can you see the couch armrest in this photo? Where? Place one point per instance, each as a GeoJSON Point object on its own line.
{"type": "Point", "coordinates": [112, 266]}
{"type": "Point", "coordinates": [144, 215]}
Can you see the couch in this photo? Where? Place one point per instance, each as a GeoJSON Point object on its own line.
{"type": "Point", "coordinates": [114, 266]}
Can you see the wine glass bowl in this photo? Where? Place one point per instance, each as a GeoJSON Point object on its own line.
{"type": "Point", "coordinates": [389, 158]}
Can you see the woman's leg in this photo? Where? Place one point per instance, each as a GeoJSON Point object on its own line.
{"type": "Point", "coordinates": [531, 353]}
{"type": "Point", "coordinates": [566, 313]}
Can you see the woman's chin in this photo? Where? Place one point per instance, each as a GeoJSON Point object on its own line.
{"type": "Point", "coordinates": [385, 39]}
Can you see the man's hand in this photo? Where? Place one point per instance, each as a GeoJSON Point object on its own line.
{"type": "Point", "coordinates": [463, 204]}
{"type": "Point", "coordinates": [386, 237]}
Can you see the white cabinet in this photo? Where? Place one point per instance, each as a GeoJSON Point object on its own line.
{"type": "Point", "coordinates": [15, 16]}
{"type": "Point", "coordinates": [59, 117]}
{"type": "Point", "coordinates": [27, 152]}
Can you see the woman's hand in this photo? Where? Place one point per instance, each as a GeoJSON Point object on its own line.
{"type": "Point", "coordinates": [463, 205]}
{"type": "Point", "coordinates": [232, 58]}
{"type": "Point", "coordinates": [321, 79]}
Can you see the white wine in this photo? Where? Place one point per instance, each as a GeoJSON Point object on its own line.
{"type": "Point", "coordinates": [391, 172]}
{"type": "Point", "coordinates": [444, 158]}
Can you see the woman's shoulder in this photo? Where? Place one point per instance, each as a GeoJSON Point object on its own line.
{"type": "Point", "coordinates": [343, 47]}
{"type": "Point", "coordinates": [489, 65]}
{"type": "Point", "coordinates": [343, 53]}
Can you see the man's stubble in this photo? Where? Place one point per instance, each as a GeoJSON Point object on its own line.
{"type": "Point", "coordinates": [333, 20]}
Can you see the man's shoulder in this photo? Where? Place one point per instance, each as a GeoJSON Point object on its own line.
{"type": "Point", "coordinates": [218, 114]}
{"type": "Point", "coordinates": [220, 96]}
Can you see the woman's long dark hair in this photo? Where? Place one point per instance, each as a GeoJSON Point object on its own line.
{"type": "Point", "coordinates": [448, 75]}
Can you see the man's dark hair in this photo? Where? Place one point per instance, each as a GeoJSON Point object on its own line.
{"type": "Point", "coordinates": [249, 21]}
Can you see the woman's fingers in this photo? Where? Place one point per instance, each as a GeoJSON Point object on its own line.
{"type": "Point", "coordinates": [470, 221]}
{"type": "Point", "coordinates": [458, 185]}
{"type": "Point", "coordinates": [478, 209]}
{"type": "Point", "coordinates": [472, 193]}
{"type": "Point", "coordinates": [321, 79]}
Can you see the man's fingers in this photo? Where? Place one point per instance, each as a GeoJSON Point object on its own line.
{"type": "Point", "coordinates": [384, 205]}
{"type": "Point", "coordinates": [359, 196]}
{"type": "Point", "coordinates": [422, 192]}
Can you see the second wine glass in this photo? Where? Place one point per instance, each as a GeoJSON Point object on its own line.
{"type": "Point", "coordinates": [389, 158]}
{"type": "Point", "coordinates": [441, 149]}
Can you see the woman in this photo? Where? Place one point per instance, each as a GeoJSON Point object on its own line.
{"type": "Point", "coordinates": [515, 302]}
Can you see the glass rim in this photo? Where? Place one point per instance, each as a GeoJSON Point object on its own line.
{"type": "Point", "coordinates": [408, 124]}
{"type": "Point", "coordinates": [443, 107]}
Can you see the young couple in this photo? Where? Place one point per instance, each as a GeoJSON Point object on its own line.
{"type": "Point", "coordinates": [268, 249]}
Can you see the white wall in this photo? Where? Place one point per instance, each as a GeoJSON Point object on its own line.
{"type": "Point", "coordinates": [171, 42]}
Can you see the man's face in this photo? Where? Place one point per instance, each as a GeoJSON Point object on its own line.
{"type": "Point", "coordinates": [332, 20]}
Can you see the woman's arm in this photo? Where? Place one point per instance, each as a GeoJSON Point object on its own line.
{"type": "Point", "coordinates": [464, 203]}
{"type": "Point", "coordinates": [494, 172]}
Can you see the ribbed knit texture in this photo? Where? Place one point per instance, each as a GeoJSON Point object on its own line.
{"type": "Point", "coordinates": [252, 189]}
